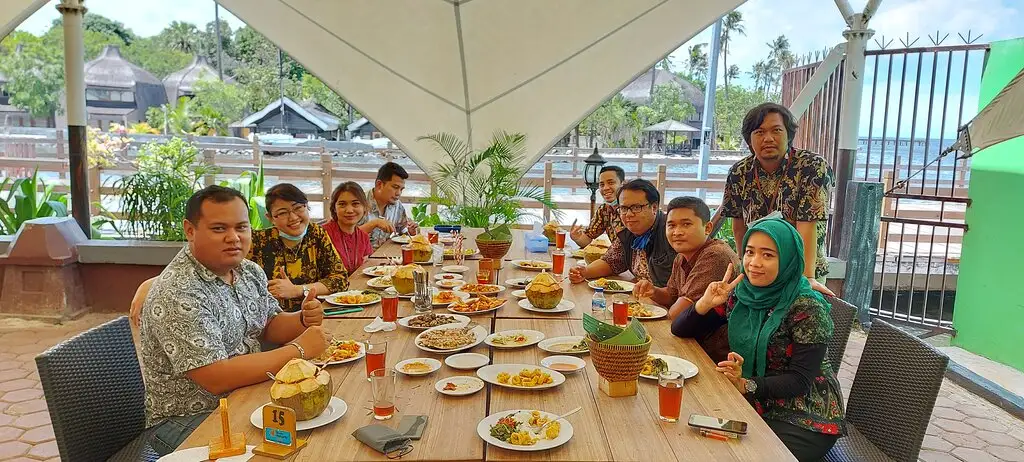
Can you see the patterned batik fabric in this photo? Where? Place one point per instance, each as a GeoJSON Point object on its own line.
{"type": "Point", "coordinates": [313, 260]}
{"type": "Point", "coordinates": [606, 221]}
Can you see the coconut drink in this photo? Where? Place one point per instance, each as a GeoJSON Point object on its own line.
{"type": "Point", "coordinates": [421, 251]}
{"type": "Point", "coordinates": [544, 292]}
{"type": "Point", "coordinates": [550, 229]}
{"type": "Point", "coordinates": [402, 280]}
{"type": "Point", "coordinates": [301, 386]}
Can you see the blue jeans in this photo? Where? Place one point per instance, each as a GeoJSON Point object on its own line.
{"type": "Point", "coordinates": [168, 434]}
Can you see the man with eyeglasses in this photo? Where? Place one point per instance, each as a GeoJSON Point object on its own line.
{"type": "Point", "coordinates": [642, 248]}
{"type": "Point", "coordinates": [778, 180]}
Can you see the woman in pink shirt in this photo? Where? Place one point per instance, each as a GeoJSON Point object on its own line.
{"type": "Point", "coordinates": [352, 243]}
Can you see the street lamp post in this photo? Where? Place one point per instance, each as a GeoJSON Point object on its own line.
{"type": "Point", "coordinates": [591, 170]}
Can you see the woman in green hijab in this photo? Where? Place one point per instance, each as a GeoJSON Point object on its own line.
{"type": "Point", "coordinates": [779, 329]}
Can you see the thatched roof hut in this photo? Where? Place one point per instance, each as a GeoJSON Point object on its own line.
{"type": "Point", "coordinates": [118, 91]}
{"type": "Point", "coordinates": [639, 91]}
{"type": "Point", "coordinates": [183, 82]}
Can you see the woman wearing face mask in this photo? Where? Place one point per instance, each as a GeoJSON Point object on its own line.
{"type": "Point", "coordinates": [779, 328]}
{"type": "Point", "coordinates": [295, 254]}
{"type": "Point", "coordinates": [352, 243]}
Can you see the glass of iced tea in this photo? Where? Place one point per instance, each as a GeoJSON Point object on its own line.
{"type": "Point", "coordinates": [560, 239]}
{"type": "Point", "coordinates": [670, 395]}
{"type": "Point", "coordinates": [389, 305]}
{"type": "Point", "coordinates": [432, 236]}
{"type": "Point", "coordinates": [383, 383]}
{"type": "Point", "coordinates": [620, 311]}
{"type": "Point", "coordinates": [376, 355]}
{"type": "Point", "coordinates": [406, 255]}
{"type": "Point", "coordinates": [557, 262]}
{"type": "Point", "coordinates": [483, 273]}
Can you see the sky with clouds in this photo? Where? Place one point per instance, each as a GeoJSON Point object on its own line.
{"type": "Point", "coordinates": [810, 25]}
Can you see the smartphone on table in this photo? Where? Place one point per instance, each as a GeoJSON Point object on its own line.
{"type": "Point", "coordinates": [716, 424]}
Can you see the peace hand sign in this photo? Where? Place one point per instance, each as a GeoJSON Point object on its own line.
{"type": "Point", "coordinates": [718, 292]}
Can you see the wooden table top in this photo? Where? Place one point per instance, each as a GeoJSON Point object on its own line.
{"type": "Point", "coordinates": [607, 428]}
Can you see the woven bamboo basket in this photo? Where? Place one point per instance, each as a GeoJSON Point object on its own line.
{"type": "Point", "coordinates": [493, 249]}
{"type": "Point", "coordinates": [618, 363]}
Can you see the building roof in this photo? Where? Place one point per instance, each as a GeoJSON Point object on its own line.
{"type": "Point", "coordinates": [315, 114]}
{"type": "Point", "coordinates": [110, 69]}
{"type": "Point", "coordinates": [183, 81]}
{"type": "Point", "coordinates": [639, 90]}
{"type": "Point", "coordinates": [670, 126]}
{"type": "Point", "coordinates": [357, 124]}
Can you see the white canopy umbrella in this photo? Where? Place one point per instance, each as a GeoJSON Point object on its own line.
{"type": "Point", "coordinates": [472, 67]}
{"type": "Point", "coordinates": [14, 12]}
{"type": "Point", "coordinates": [1002, 119]}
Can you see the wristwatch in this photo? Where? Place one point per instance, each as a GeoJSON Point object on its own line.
{"type": "Point", "coordinates": [305, 291]}
{"type": "Point", "coordinates": [750, 386]}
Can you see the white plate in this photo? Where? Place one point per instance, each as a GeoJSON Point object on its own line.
{"type": "Point", "coordinates": [467, 361]}
{"type": "Point", "coordinates": [518, 282]}
{"type": "Point", "coordinates": [403, 239]}
{"type": "Point", "coordinates": [532, 337]}
{"type": "Point", "coordinates": [564, 359]}
{"type": "Point", "coordinates": [455, 269]}
{"type": "Point", "coordinates": [333, 299]}
{"type": "Point", "coordinates": [626, 287]}
{"type": "Point", "coordinates": [657, 312]}
{"type": "Point", "coordinates": [374, 271]}
{"type": "Point", "coordinates": [477, 312]}
{"type": "Point", "coordinates": [545, 265]}
{"type": "Point", "coordinates": [562, 307]}
{"type": "Point", "coordinates": [433, 363]}
{"type": "Point", "coordinates": [552, 345]}
{"type": "Point", "coordinates": [448, 276]}
{"type": "Point", "coordinates": [519, 293]}
{"type": "Point", "coordinates": [484, 430]}
{"type": "Point", "coordinates": [495, 292]}
{"type": "Point", "coordinates": [203, 453]}
{"type": "Point", "coordinates": [677, 364]}
{"type": "Point", "coordinates": [379, 283]}
{"type": "Point", "coordinates": [467, 385]}
{"type": "Point", "coordinates": [446, 239]}
{"type": "Point", "coordinates": [480, 332]}
{"type": "Point", "coordinates": [450, 284]}
{"type": "Point", "coordinates": [490, 375]}
{"type": "Point", "coordinates": [335, 409]}
{"type": "Point", "coordinates": [460, 320]}
{"type": "Point", "coordinates": [461, 295]}
{"type": "Point", "coordinates": [362, 353]}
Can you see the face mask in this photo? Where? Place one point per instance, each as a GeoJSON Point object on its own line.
{"type": "Point", "coordinates": [293, 238]}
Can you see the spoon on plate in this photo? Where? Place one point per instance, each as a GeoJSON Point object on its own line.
{"type": "Point", "coordinates": [567, 414]}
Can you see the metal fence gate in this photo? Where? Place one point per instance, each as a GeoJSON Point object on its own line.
{"type": "Point", "coordinates": [914, 100]}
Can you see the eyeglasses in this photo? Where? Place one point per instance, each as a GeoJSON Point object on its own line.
{"type": "Point", "coordinates": [296, 210]}
{"type": "Point", "coordinates": [632, 209]}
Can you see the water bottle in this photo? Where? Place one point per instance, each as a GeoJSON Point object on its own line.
{"type": "Point", "coordinates": [597, 304]}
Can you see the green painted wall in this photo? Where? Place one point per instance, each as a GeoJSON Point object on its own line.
{"type": "Point", "coordinates": [989, 309]}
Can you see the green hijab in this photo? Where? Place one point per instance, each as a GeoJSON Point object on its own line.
{"type": "Point", "coordinates": [750, 324]}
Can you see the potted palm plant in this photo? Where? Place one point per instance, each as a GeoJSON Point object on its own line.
{"type": "Point", "coordinates": [482, 189]}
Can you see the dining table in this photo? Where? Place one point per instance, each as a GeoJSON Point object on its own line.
{"type": "Point", "coordinates": [605, 429]}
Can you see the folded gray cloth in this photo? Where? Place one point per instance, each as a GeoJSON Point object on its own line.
{"type": "Point", "coordinates": [384, 440]}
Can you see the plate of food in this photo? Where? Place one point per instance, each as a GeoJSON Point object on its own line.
{"type": "Point", "coordinates": [521, 376]}
{"type": "Point", "coordinates": [427, 320]}
{"type": "Point", "coordinates": [380, 282]}
{"type": "Point", "coordinates": [524, 430]}
{"type": "Point", "coordinates": [459, 385]}
{"type": "Point", "coordinates": [519, 282]}
{"type": "Point", "coordinates": [447, 297]}
{"type": "Point", "coordinates": [401, 239]}
{"type": "Point", "coordinates": [449, 239]}
{"type": "Point", "coordinates": [656, 364]}
{"type": "Point", "coordinates": [531, 265]}
{"type": "Point", "coordinates": [519, 293]}
{"type": "Point", "coordinates": [646, 311]}
{"type": "Point", "coordinates": [482, 289]}
{"type": "Point", "coordinates": [447, 277]}
{"type": "Point", "coordinates": [562, 307]}
{"type": "Point", "coordinates": [418, 366]}
{"type": "Point", "coordinates": [353, 298]}
{"type": "Point", "coordinates": [481, 304]}
{"type": "Point", "coordinates": [570, 344]}
{"type": "Point", "coordinates": [610, 286]}
{"type": "Point", "coordinates": [450, 284]}
{"type": "Point", "coordinates": [340, 352]}
{"type": "Point", "coordinates": [449, 339]}
{"type": "Point", "coordinates": [455, 269]}
{"type": "Point", "coordinates": [514, 338]}
{"type": "Point", "coordinates": [450, 253]}
{"type": "Point", "coordinates": [380, 270]}
{"type": "Point", "coordinates": [564, 364]}
{"type": "Point", "coordinates": [578, 253]}
{"type": "Point", "coordinates": [467, 361]}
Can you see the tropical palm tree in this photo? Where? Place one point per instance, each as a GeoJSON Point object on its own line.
{"type": "Point", "coordinates": [780, 58]}
{"type": "Point", "coordinates": [732, 26]}
{"type": "Point", "coordinates": [760, 74]}
{"type": "Point", "coordinates": [698, 61]}
{"type": "Point", "coordinates": [181, 36]}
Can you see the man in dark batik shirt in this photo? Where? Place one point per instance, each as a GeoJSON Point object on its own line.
{"type": "Point", "coordinates": [778, 178]}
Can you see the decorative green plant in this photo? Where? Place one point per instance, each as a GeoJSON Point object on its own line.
{"type": "Point", "coordinates": [481, 188]}
{"type": "Point", "coordinates": [153, 200]}
{"type": "Point", "coordinates": [250, 184]}
{"type": "Point", "coordinates": [725, 232]}
{"type": "Point", "coordinates": [500, 233]}
{"type": "Point", "coordinates": [422, 217]}
{"type": "Point", "coordinates": [28, 202]}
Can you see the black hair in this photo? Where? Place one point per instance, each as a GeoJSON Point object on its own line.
{"type": "Point", "coordinates": [647, 187]}
{"type": "Point", "coordinates": [350, 187]}
{"type": "Point", "coordinates": [286, 192]}
{"type": "Point", "coordinates": [619, 172]}
{"type": "Point", "coordinates": [755, 117]}
{"type": "Point", "coordinates": [389, 170]}
{"type": "Point", "coordinates": [217, 194]}
{"type": "Point", "coordinates": [699, 207]}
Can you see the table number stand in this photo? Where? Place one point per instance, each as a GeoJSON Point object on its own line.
{"type": "Point", "coordinates": [280, 440]}
{"type": "Point", "coordinates": [227, 444]}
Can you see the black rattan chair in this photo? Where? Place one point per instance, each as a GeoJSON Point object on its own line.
{"type": "Point", "coordinates": [95, 395]}
{"type": "Point", "coordinates": [843, 314]}
{"type": "Point", "coordinates": [892, 397]}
